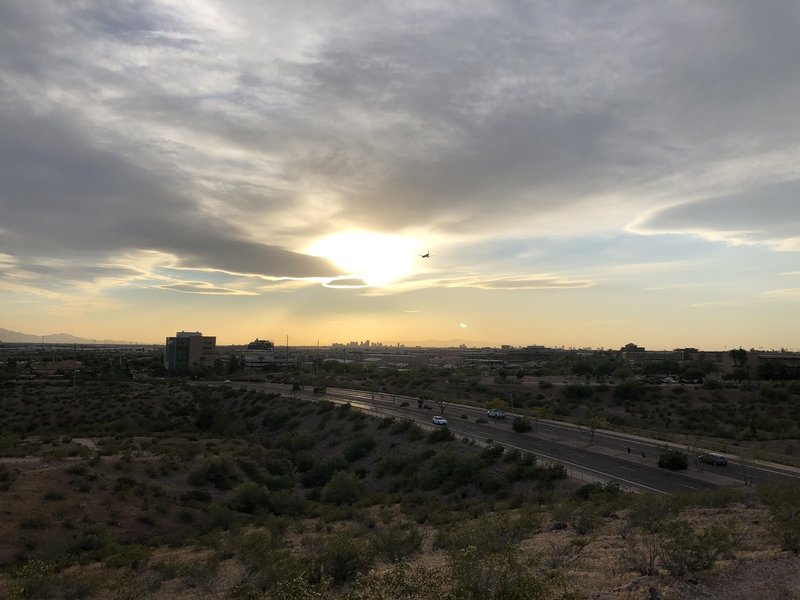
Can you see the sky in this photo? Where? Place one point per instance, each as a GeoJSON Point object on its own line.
{"type": "Point", "coordinates": [581, 173]}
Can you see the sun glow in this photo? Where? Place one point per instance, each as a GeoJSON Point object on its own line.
{"type": "Point", "coordinates": [376, 258]}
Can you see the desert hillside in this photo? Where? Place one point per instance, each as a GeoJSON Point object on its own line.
{"type": "Point", "coordinates": [154, 490]}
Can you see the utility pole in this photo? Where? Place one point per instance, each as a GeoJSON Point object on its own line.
{"type": "Point", "coordinates": [75, 385]}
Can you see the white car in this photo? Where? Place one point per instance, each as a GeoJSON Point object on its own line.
{"type": "Point", "coordinates": [496, 414]}
{"type": "Point", "coordinates": [439, 420]}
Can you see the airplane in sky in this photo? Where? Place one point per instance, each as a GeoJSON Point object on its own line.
{"type": "Point", "coordinates": [426, 255]}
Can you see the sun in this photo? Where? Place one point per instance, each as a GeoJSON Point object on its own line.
{"type": "Point", "coordinates": [376, 258]}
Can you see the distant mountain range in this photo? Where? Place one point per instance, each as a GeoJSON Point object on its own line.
{"type": "Point", "coordinates": [15, 337]}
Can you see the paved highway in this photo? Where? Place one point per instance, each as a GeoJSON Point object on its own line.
{"type": "Point", "coordinates": [610, 456]}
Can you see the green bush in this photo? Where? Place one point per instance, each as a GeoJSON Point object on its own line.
{"type": "Point", "coordinates": [783, 501]}
{"type": "Point", "coordinates": [587, 519]}
{"type": "Point", "coordinates": [492, 532]}
{"type": "Point", "coordinates": [682, 549]}
{"type": "Point", "coordinates": [341, 558]}
{"type": "Point", "coordinates": [266, 558]}
{"type": "Point", "coordinates": [276, 419]}
{"type": "Point", "coordinates": [219, 517]}
{"type": "Point", "coordinates": [343, 488]}
{"type": "Point", "coordinates": [475, 575]}
{"type": "Point", "coordinates": [7, 477]}
{"type": "Point", "coordinates": [630, 390]}
{"type": "Point", "coordinates": [717, 498]}
{"type": "Point", "coordinates": [360, 447]}
{"type": "Point", "coordinates": [402, 580]}
{"type": "Point", "coordinates": [79, 469]}
{"type": "Point", "coordinates": [131, 556]}
{"type": "Point", "coordinates": [598, 492]}
{"type": "Point", "coordinates": [249, 498]}
{"type": "Point", "coordinates": [344, 410]}
{"type": "Point", "coordinates": [521, 424]}
{"type": "Point", "coordinates": [250, 469]}
{"type": "Point", "coordinates": [297, 441]}
{"type": "Point", "coordinates": [303, 461]}
{"type": "Point", "coordinates": [92, 543]}
{"type": "Point", "coordinates": [220, 471]}
{"type": "Point", "coordinates": [320, 473]}
{"type": "Point", "coordinates": [195, 497]}
{"type": "Point", "coordinates": [576, 392]}
{"type": "Point", "coordinates": [673, 459]}
{"type": "Point", "coordinates": [550, 473]}
{"type": "Point", "coordinates": [442, 434]}
{"type": "Point", "coordinates": [491, 454]}
{"type": "Point", "coordinates": [398, 542]}
{"type": "Point", "coordinates": [401, 426]}
{"type": "Point", "coordinates": [450, 468]}
{"type": "Point", "coordinates": [34, 579]}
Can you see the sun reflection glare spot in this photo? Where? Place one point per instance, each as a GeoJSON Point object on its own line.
{"type": "Point", "coordinates": [376, 258]}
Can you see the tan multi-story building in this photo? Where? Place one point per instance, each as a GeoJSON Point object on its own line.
{"type": "Point", "coordinates": [190, 349]}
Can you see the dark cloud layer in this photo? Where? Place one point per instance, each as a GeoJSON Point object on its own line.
{"type": "Point", "coordinates": [761, 214]}
{"type": "Point", "coordinates": [60, 192]}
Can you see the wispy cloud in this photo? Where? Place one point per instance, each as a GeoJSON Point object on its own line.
{"type": "Point", "coordinates": [534, 282]}
{"type": "Point", "coordinates": [201, 287]}
{"type": "Point", "coordinates": [656, 266]}
{"type": "Point", "coordinates": [540, 281]}
{"type": "Point", "coordinates": [783, 294]}
{"type": "Point", "coordinates": [346, 282]}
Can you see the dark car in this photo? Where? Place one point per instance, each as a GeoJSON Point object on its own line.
{"type": "Point", "coordinates": [713, 458]}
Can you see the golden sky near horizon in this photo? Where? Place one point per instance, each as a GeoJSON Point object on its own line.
{"type": "Point", "coordinates": [581, 174]}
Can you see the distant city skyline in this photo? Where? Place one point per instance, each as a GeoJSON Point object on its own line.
{"type": "Point", "coordinates": [11, 337]}
{"type": "Point", "coordinates": [579, 174]}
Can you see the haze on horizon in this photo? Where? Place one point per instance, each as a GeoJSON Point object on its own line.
{"type": "Point", "coordinates": [582, 173]}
